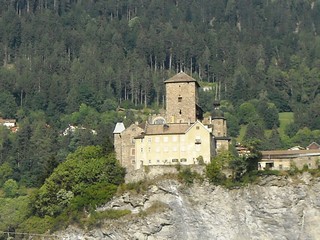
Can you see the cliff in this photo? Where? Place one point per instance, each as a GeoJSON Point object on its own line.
{"type": "Point", "coordinates": [275, 208]}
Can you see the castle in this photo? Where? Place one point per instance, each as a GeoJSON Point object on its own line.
{"type": "Point", "coordinates": [181, 136]}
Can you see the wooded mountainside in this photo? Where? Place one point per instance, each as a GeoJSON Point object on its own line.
{"type": "Point", "coordinates": [74, 62]}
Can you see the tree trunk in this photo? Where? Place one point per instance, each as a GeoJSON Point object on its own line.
{"type": "Point", "coordinates": [21, 96]}
{"type": "Point", "coordinates": [5, 56]}
{"type": "Point", "coordinates": [145, 99]}
{"type": "Point", "coordinates": [170, 60]}
{"type": "Point", "coordinates": [28, 6]}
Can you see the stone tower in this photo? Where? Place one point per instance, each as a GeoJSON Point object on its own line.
{"type": "Point", "coordinates": [219, 129]}
{"type": "Point", "coordinates": [181, 99]}
{"type": "Point", "coordinates": [218, 120]}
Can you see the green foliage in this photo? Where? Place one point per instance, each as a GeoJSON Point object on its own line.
{"type": "Point", "coordinates": [271, 117]}
{"type": "Point", "coordinates": [10, 188]}
{"type": "Point", "coordinates": [98, 217]}
{"type": "Point", "coordinates": [200, 160]}
{"type": "Point", "coordinates": [214, 168]}
{"type": "Point", "coordinates": [137, 187]}
{"type": "Point", "coordinates": [85, 173]}
{"type": "Point", "coordinates": [14, 211]}
{"type": "Point", "coordinates": [5, 173]}
{"type": "Point", "coordinates": [8, 106]}
{"type": "Point", "coordinates": [93, 196]}
{"type": "Point", "coordinates": [233, 125]}
{"type": "Point", "coordinates": [303, 137]}
{"type": "Point", "coordinates": [274, 141]}
{"type": "Point", "coordinates": [247, 113]}
{"type": "Point", "coordinates": [187, 176]}
{"type": "Point", "coordinates": [254, 135]}
{"type": "Point", "coordinates": [36, 225]}
{"type": "Point", "coordinates": [293, 170]}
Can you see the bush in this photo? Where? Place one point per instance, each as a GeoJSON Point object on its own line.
{"type": "Point", "coordinates": [36, 224]}
{"type": "Point", "coordinates": [188, 176]}
{"type": "Point", "coordinates": [293, 169]}
{"type": "Point", "coordinates": [138, 187]}
{"type": "Point", "coordinates": [94, 196]}
{"type": "Point", "coordinates": [214, 173]}
{"type": "Point", "coordinates": [88, 174]}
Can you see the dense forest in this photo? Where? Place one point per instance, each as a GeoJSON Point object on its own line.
{"type": "Point", "coordinates": [75, 62]}
{"type": "Point", "coordinates": [70, 69]}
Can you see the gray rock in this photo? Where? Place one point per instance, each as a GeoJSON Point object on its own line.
{"type": "Point", "coordinates": [278, 208]}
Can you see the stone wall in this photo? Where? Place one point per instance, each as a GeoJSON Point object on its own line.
{"type": "Point", "coordinates": [151, 172]}
{"type": "Point", "coordinates": [181, 98]}
{"type": "Point", "coordinates": [125, 146]}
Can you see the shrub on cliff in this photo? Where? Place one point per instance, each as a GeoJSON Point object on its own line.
{"type": "Point", "coordinates": [87, 178]}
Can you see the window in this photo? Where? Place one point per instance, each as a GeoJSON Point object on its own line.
{"type": "Point", "coordinates": [165, 139]}
{"type": "Point", "coordinates": [174, 148]}
{"type": "Point", "coordinates": [180, 112]}
{"type": "Point", "coordinates": [158, 161]}
{"type": "Point", "coordinates": [269, 165]}
{"type": "Point", "coordinates": [149, 161]}
{"type": "Point", "coordinates": [157, 149]}
{"type": "Point", "coordinates": [183, 160]}
{"type": "Point", "coordinates": [141, 150]}
{"type": "Point", "coordinates": [149, 140]}
{"type": "Point", "coordinates": [197, 127]}
{"type": "Point", "coordinates": [149, 149]}
{"type": "Point", "coordinates": [175, 160]}
{"type": "Point", "coordinates": [166, 149]}
{"type": "Point", "coordinates": [157, 139]}
{"type": "Point", "coordinates": [174, 138]}
{"type": "Point", "coordinates": [179, 99]}
{"type": "Point", "coordinates": [133, 151]}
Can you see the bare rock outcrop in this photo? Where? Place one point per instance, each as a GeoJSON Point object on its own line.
{"type": "Point", "coordinates": [276, 208]}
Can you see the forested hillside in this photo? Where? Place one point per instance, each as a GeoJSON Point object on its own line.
{"type": "Point", "coordinates": [74, 62]}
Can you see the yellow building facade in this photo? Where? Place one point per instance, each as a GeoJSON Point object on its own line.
{"type": "Point", "coordinates": [171, 144]}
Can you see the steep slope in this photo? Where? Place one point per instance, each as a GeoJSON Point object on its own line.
{"type": "Point", "coordinates": [276, 208]}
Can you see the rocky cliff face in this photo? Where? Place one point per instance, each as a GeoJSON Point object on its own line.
{"type": "Point", "coordinates": [276, 208]}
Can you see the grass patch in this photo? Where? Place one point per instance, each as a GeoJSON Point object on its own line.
{"type": "Point", "coordinates": [285, 118]}
{"type": "Point", "coordinates": [143, 185]}
{"type": "Point", "coordinates": [242, 132]}
{"type": "Point", "coordinates": [97, 218]}
{"type": "Point", "coordinates": [134, 187]}
{"type": "Point", "coordinates": [156, 207]}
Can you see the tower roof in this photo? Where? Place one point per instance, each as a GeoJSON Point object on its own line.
{"type": "Point", "coordinates": [181, 77]}
{"type": "Point", "coordinates": [119, 128]}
